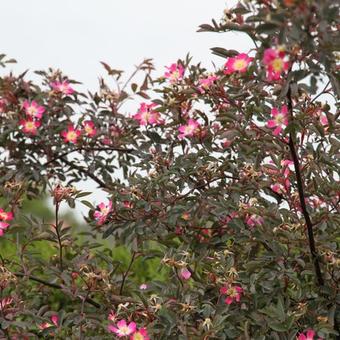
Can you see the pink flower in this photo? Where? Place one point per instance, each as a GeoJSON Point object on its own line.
{"type": "Point", "coordinates": [233, 293]}
{"type": "Point", "coordinates": [175, 73]}
{"type": "Point", "coordinates": [254, 220]}
{"type": "Point", "coordinates": [206, 83]}
{"type": "Point", "coordinates": [288, 167]}
{"type": "Point", "coordinates": [29, 126]}
{"type": "Point", "coordinates": [146, 115]}
{"type": "Point", "coordinates": [55, 320]}
{"type": "Point", "coordinates": [143, 286]}
{"type": "Point", "coordinates": [71, 134]}
{"type": "Point", "coordinates": [33, 110]}
{"type": "Point", "coordinates": [104, 210]}
{"type": "Point", "coordinates": [308, 336]}
{"type": "Point", "coordinates": [189, 129]}
{"type": "Point", "coordinates": [89, 128]}
{"type": "Point", "coordinates": [237, 64]}
{"type": "Point", "coordinates": [3, 227]}
{"type": "Point", "coordinates": [45, 325]}
{"type": "Point", "coordinates": [123, 329]}
{"type": "Point", "coordinates": [5, 302]}
{"type": "Point", "coordinates": [141, 334]}
{"type": "Point", "coordinates": [279, 121]}
{"type": "Point", "coordinates": [275, 62]}
{"type": "Point", "coordinates": [185, 274]}
{"type": "Point", "coordinates": [6, 216]}
{"type": "Point", "coordinates": [62, 87]}
{"type": "Point", "coordinates": [112, 316]}
{"type": "Point", "coordinates": [278, 188]}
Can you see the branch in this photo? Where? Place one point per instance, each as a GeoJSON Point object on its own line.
{"type": "Point", "coordinates": [127, 272]}
{"type": "Point", "coordinates": [305, 213]}
{"type": "Point", "coordinates": [87, 173]}
{"type": "Point", "coordinates": [54, 285]}
{"type": "Point", "coordinates": [86, 149]}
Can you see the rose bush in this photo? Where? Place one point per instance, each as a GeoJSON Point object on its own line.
{"type": "Point", "coordinates": [226, 180]}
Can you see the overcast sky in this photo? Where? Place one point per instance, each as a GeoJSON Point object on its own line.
{"type": "Point", "coordinates": [75, 35]}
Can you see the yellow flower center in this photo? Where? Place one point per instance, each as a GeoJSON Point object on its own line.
{"type": "Point", "coordinates": [125, 330]}
{"type": "Point", "coordinates": [277, 65]}
{"type": "Point", "coordinates": [138, 336]}
{"type": "Point", "coordinates": [32, 110]}
{"type": "Point", "coordinates": [239, 64]}
{"type": "Point", "coordinates": [232, 292]}
{"type": "Point", "coordinates": [279, 119]}
{"type": "Point", "coordinates": [71, 135]}
{"type": "Point", "coordinates": [30, 126]}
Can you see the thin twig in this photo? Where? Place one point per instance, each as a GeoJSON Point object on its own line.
{"type": "Point", "coordinates": [127, 273]}
{"type": "Point", "coordinates": [53, 285]}
{"type": "Point", "coordinates": [309, 224]}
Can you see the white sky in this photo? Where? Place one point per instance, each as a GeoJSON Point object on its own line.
{"type": "Point", "coordinates": [75, 35]}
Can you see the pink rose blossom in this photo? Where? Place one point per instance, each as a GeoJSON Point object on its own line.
{"type": "Point", "coordinates": [29, 126]}
{"type": "Point", "coordinates": [62, 87]}
{"type": "Point", "coordinates": [71, 135]}
{"type": "Point", "coordinates": [103, 212]}
{"type": "Point", "coordinates": [206, 83]}
{"type": "Point", "coordinates": [185, 274]}
{"type": "Point", "coordinates": [288, 167]}
{"type": "Point", "coordinates": [188, 130]}
{"type": "Point", "coordinates": [141, 334]}
{"type": "Point", "coordinates": [175, 73]}
{"type": "Point", "coordinates": [6, 216]}
{"type": "Point", "coordinates": [254, 220]}
{"type": "Point", "coordinates": [112, 316]}
{"type": "Point", "coordinates": [5, 302]}
{"type": "Point", "coordinates": [308, 336]}
{"type": "Point", "coordinates": [274, 60]}
{"type": "Point", "coordinates": [3, 227]}
{"type": "Point", "coordinates": [55, 320]}
{"type": "Point", "coordinates": [146, 115]}
{"type": "Point", "coordinates": [123, 329]}
{"type": "Point", "coordinates": [237, 64]}
{"type": "Point", "coordinates": [33, 110]}
{"type": "Point", "coordinates": [89, 128]}
{"type": "Point", "coordinates": [279, 121]}
{"type": "Point", "coordinates": [278, 188]}
{"type": "Point", "coordinates": [233, 293]}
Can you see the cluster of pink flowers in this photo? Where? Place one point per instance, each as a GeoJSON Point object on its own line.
{"type": "Point", "coordinates": [189, 130]}
{"type": "Point", "coordinates": [279, 121]}
{"type": "Point", "coordinates": [175, 73]}
{"type": "Point", "coordinates": [103, 212]}
{"type": "Point", "coordinates": [206, 83]}
{"type": "Point", "coordinates": [122, 329]}
{"type": "Point", "coordinates": [232, 293]}
{"type": "Point", "coordinates": [275, 62]}
{"type": "Point", "coordinates": [237, 64]}
{"type": "Point", "coordinates": [63, 87]}
{"type": "Point", "coordinates": [146, 115]}
{"type": "Point", "coordinates": [4, 218]}
{"type": "Point", "coordinates": [72, 134]}
{"type": "Point", "coordinates": [34, 113]}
